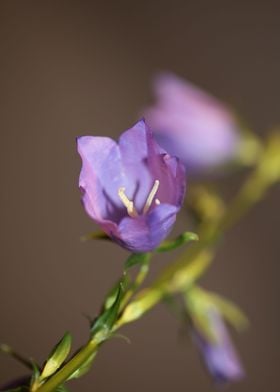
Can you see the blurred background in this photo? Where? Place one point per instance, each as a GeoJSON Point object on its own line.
{"type": "Point", "coordinates": [70, 68]}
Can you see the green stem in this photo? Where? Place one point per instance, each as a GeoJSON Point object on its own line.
{"type": "Point", "coordinates": [141, 276]}
{"type": "Point", "coordinates": [70, 367]}
{"type": "Point", "coordinates": [8, 350]}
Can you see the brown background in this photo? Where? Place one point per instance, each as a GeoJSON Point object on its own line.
{"type": "Point", "coordinates": [75, 67]}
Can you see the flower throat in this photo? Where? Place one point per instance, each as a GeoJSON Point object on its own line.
{"type": "Point", "coordinates": [129, 204]}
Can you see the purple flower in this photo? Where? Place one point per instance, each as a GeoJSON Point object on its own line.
{"type": "Point", "coordinates": [14, 384]}
{"type": "Point", "coordinates": [220, 356]}
{"type": "Point", "coordinates": [132, 188]}
{"type": "Point", "coordinates": [192, 125]}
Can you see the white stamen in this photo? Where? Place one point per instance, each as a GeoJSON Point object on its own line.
{"type": "Point", "coordinates": [127, 203]}
{"type": "Point", "coordinates": [157, 202]}
{"type": "Point", "coordinates": [151, 197]}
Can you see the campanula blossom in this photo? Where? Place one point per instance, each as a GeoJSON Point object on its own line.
{"type": "Point", "coordinates": [15, 384]}
{"type": "Point", "coordinates": [192, 125]}
{"type": "Point", "coordinates": [219, 356]}
{"type": "Point", "coordinates": [132, 189]}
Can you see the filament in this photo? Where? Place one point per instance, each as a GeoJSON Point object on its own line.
{"type": "Point", "coordinates": [131, 210]}
{"type": "Point", "coordinates": [151, 196]}
{"type": "Point", "coordinates": [129, 204]}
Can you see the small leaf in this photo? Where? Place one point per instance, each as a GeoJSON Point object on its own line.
{"type": "Point", "coordinates": [35, 380]}
{"type": "Point", "coordinates": [143, 302]}
{"type": "Point", "coordinates": [84, 368]}
{"type": "Point", "coordinates": [112, 295]}
{"type": "Point", "coordinates": [182, 239]}
{"type": "Point", "coordinates": [205, 203]}
{"type": "Point", "coordinates": [57, 356]}
{"type": "Point", "coordinates": [4, 348]}
{"type": "Point", "coordinates": [185, 277]}
{"type": "Point", "coordinates": [96, 235]}
{"type": "Point", "coordinates": [135, 259]}
{"type": "Point", "coordinates": [61, 388]}
{"type": "Point", "coordinates": [101, 327]}
{"type": "Point", "coordinates": [249, 149]}
{"type": "Point", "coordinates": [269, 165]}
{"type": "Point", "coordinates": [200, 301]}
{"type": "Point", "coordinates": [231, 312]}
{"type": "Point", "coordinates": [198, 307]}
{"type": "Point", "coordinates": [121, 336]}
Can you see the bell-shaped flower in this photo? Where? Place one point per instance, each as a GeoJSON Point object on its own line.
{"type": "Point", "coordinates": [132, 188]}
{"type": "Point", "coordinates": [192, 125]}
{"type": "Point", "coordinates": [15, 385]}
{"type": "Point", "coordinates": [219, 356]}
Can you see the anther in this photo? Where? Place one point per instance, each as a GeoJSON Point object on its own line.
{"type": "Point", "coordinates": [127, 203]}
{"type": "Point", "coordinates": [151, 197]}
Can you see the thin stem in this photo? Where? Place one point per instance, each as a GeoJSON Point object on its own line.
{"type": "Point", "coordinates": [141, 276]}
{"type": "Point", "coordinates": [70, 367]}
{"type": "Point", "coordinates": [8, 350]}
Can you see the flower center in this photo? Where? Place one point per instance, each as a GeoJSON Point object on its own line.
{"type": "Point", "coordinates": [129, 204]}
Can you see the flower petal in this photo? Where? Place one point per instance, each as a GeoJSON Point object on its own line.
{"type": "Point", "coordinates": [101, 176]}
{"type": "Point", "coordinates": [145, 161]}
{"type": "Point", "coordinates": [191, 124]}
{"type": "Point", "coordinates": [145, 233]}
{"type": "Point", "coordinates": [220, 357]}
{"type": "Point", "coordinates": [138, 149]}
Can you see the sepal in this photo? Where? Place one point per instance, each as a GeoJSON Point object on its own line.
{"type": "Point", "coordinates": [101, 327]}
{"type": "Point", "coordinates": [198, 305]}
{"type": "Point", "coordinates": [199, 302]}
{"type": "Point", "coordinates": [182, 239]}
{"type": "Point", "coordinates": [57, 356]}
{"type": "Point", "coordinates": [230, 311]}
{"type": "Point", "coordinates": [84, 368]}
{"type": "Point", "coordinates": [95, 235]}
{"type": "Point", "coordinates": [136, 259]}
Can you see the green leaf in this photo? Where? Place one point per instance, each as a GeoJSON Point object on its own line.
{"type": "Point", "coordinates": [200, 301]}
{"type": "Point", "coordinates": [198, 307]}
{"type": "Point", "coordinates": [182, 239]}
{"type": "Point", "coordinates": [143, 302]}
{"type": "Point", "coordinates": [121, 336]}
{"type": "Point", "coordinates": [205, 203]}
{"type": "Point", "coordinates": [35, 380]}
{"type": "Point", "coordinates": [249, 149]}
{"type": "Point", "coordinates": [113, 293]}
{"type": "Point", "coordinates": [57, 356]}
{"type": "Point", "coordinates": [269, 165]}
{"type": "Point", "coordinates": [96, 235]}
{"type": "Point", "coordinates": [84, 368]}
{"type": "Point", "coordinates": [102, 326]}
{"type": "Point", "coordinates": [184, 277]}
{"type": "Point", "coordinates": [4, 348]}
{"type": "Point", "coordinates": [61, 388]}
{"type": "Point", "coordinates": [136, 259]}
{"type": "Point", "coordinates": [231, 312]}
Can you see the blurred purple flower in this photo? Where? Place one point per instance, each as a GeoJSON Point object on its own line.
{"type": "Point", "coordinates": [132, 188]}
{"type": "Point", "coordinates": [192, 125]}
{"type": "Point", "coordinates": [220, 357]}
{"type": "Point", "coordinates": [14, 384]}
